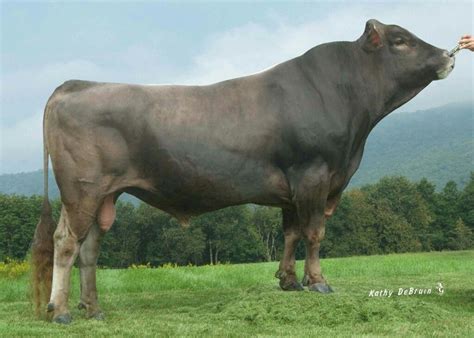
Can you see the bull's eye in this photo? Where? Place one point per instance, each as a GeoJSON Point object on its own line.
{"type": "Point", "coordinates": [399, 42]}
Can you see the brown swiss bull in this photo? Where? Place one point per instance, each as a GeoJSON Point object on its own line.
{"type": "Point", "coordinates": [289, 137]}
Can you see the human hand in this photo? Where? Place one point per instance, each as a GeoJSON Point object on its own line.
{"type": "Point", "coordinates": [467, 42]}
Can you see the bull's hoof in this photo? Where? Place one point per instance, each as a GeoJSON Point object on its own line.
{"type": "Point", "coordinates": [291, 286]}
{"type": "Point", "coordinates": [81, 306]}
{"type": "Point", "coordinates": [50, 307]}
{"type": "Point", "coordinates": [320, 287]}
{"type": "Point", "coordinates": [288, 282]}
{"type": "Point", "coordinates": [99, 315]}
{"type": "Point", "coordinates": [63, 319]}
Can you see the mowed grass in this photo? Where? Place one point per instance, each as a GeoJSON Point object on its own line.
{"type": "Point", "coordinates": [242, 300]}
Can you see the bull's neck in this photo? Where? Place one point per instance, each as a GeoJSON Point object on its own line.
{"type": "Point", "coordinates": [394, 96]}
{"type": "Point", "coordinates": [373, 94]}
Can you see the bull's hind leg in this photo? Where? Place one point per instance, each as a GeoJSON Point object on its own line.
{"type": "Point", "coordinates": [74, 224]}
{"type": "Point", "coordinates": [286, 272]}
{"type": "Point", "coordinates": [314, 234]}
{"type": "Point", "coordinates": [88, 254]}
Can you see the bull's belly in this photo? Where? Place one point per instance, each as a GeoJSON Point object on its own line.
{"type": "Point", "coordinates": [187, 185]}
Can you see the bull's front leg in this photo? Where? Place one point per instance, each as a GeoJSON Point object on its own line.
{"type": "Point", "coordinates": [313, 207]}
{"type": "Point", "coordinates": [286, 272]}
{"type": "Point", "coordinates": [313, 235]}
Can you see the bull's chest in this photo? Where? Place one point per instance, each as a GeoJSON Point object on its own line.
{"type": "Point", "coordinates": [342, 173]}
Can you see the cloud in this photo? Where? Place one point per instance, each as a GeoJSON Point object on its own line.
{"type": "Point", "coordinates": [37, 81]}
{"type": "Point", "coordinates": [21, 145]}
{"type": "Point", "coordinates": [27, 91]}
{"type": "Point", "coordinates": [255, 46]}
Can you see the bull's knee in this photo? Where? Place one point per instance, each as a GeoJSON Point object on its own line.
{"type": "Point", "coordinates": [313, 236]}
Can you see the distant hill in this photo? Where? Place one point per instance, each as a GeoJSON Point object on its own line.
{"type": "Point", "coordinates": [437, 144]}
{"type": "Point", "coordinates": [31, 183]}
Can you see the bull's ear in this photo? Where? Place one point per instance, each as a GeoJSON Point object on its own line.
{"type": "Point", "coordinates": [372, 39]}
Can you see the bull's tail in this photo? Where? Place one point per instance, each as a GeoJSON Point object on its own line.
{"type": "Point", "coordinates": [43, 244]}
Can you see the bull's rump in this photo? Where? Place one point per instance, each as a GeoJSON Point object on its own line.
{"type": "Point", "coordinates": [191, 147]}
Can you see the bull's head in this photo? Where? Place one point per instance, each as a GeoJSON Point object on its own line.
{"type": "Point", "coordinates": [407, 60]}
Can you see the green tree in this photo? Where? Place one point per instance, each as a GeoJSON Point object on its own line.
{"type": "Point", "coordinates": [448, 204]}
{"type": "Point", "coordinates": [351, 231]}
{"type": "Point", "coordinates": [18, 218]}
{"type": "Point", "coordinates": [404, 200]}
{"type": "Point", "coordinates": [395, 234]}
{"type": "Point", "coordinates": [427, 191]}
{"type": "Point", "coordinates": [466, 203]}
{"type": "Point", "coordinates": [447, 212]}
{"type": "Point", "coordinates": [228, 237]}
{"type": "Point", "coordinates": [181, 245]}
{"type": "Point", "coordinates": [266, 223]}
{"type": "Point", "coordinates": [151, 222]}
{"type": "Point", "coordinates": [120, 244]}
{"type": "Point", "coordinates": [164, 240]}
{"type": "Point", "coordinates": [459, 236]}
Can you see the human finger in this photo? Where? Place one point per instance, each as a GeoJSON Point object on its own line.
{"type": "Point", "coordinates": [469, 45]}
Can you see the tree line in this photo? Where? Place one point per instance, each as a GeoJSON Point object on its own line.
{"type": "Point", "coordinates": [391, 216]}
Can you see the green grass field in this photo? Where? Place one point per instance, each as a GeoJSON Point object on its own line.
{"type": "Point", "coordinates": [243, 300]}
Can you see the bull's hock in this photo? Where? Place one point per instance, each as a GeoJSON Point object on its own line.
{"type": "Point", "coordinates": [290, 137]}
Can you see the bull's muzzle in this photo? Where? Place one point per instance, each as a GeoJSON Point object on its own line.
{"type": "Point", "coordinates": [447, 67]}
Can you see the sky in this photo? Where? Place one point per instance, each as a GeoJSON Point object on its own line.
{"type": "Point", "coordinates": [44, 44]}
